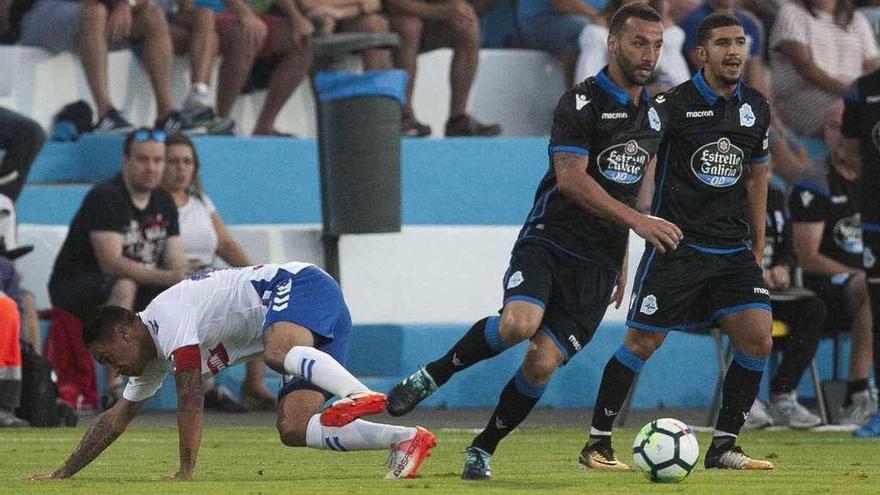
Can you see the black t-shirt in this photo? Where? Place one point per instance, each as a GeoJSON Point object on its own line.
{"type": "Point", "coordinates": [108, 207]}
{"type": "Point", "coordinates": [705, 159]}
{"type": "Point", "coordinates": [861, 120]}
{"type": "Point", "coordinates": [778, 248]}
{"type": "Point", "coordinates": [822, 195]}
{"type": "Point", "coordinates": [598, 119]}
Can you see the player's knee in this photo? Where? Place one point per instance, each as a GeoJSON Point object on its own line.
{"type": "Point", "coordinates": [643, 344]}
{"type": "Point", "coordinates": [539, 367]}
{"type": "Point", "coordinates": [292, 435]}
{"type": "Point", "coordinates": [515, 328]}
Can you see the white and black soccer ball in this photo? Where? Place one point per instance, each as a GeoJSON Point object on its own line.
{"type": "Point", "coordinates": [665, 450]}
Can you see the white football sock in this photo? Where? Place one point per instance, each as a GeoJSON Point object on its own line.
{"type": "Point", "coordinates": [357, 435]}
{"type": "Point", "coordinates": [322, 370]}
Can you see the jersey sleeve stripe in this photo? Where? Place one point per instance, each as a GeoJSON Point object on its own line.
{"type": "Point", "coordinates": [570, 149]}
{"type": "Point", "coordinates": [761, 160]}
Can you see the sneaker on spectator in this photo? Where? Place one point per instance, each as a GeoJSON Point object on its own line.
{"type": "Point", "coordinates": [759, 417]}
{"type": "Point", "coordinates": [787, 411]}
{"type": "Point", "coordinates": [196, 114]}
{"type": "Point", "coordinates": [9, 420]}
{"type": "Point", "coordinates": [171, 123]}
{"type": "Point", "coordinates": [465, 125]}
{"type": "Point", "coordinates": [861, 410]}
{"type": "Point", "coordinates": [112, 123]}
{"type": "Point", "coordinates": [410, 127]}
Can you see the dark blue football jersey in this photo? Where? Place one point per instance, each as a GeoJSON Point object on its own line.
{"type": "Point", "coordinates": [597, 119]}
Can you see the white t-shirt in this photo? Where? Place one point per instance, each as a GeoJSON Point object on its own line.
{"type": "Point", "coordinates": [222, 313]}
{"type": "Point", "coordinates": [197, 230]}
{"type": "Point", "coordinates": [839, 52]}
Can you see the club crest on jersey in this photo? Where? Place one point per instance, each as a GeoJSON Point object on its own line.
{"type": "Point", "coordinates": [515, 280]}
{"type": "Point", "coordinates": [623, 163]}
{"type": "Point", "coordinates": [848, 234]}
{"type": "Point", "coordinates": [746, 116]}
{"type": "Point", "coordinates": [654, 119]}
{"type": "Point", "coordinates": [718, 164]}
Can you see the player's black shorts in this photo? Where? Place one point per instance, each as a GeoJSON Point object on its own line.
{"type": "Point", "coordinates": [82, 292]}
{"type": "Point", "coordinates": [687, 289]}
{"type": "Point", "coordinates": [835, 299]}
{"type": "Point", "coordinates": [574, 292]}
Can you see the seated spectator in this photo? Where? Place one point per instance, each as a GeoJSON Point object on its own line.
{"type": "Point", "coordinates": [351, 16]}
{"type": "Point", "coordinates": [91, 28]}
{"type": "Point", "coordinates": [267, 32]}
{"type": "Point", "coordinates": [21, 139]}
{"type": "Point", "coordinates": [817, 49]}
{"type": "Point", "coordinates": [426, 26]}
{"type": "Point", "coordinates": [671, 67]}
{"type": "Point", "coordinates": [193, 32]}
{"type": "Point", "coordinates": [828, 245]}
{"type": "Point", "coordinates": [802, 311]}
{"type": "Point", "coordinates": [123, 246]}
{"type": "Point", "coordinates": [205, 237]}
{"type": "Point", "coordinates": [555, 26]}
{"type": "Point", "coordinates": [871, 10]}
{"type": "Point", "coordinates": [10, 358]}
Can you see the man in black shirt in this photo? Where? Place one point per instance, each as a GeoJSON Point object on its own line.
{"type": "Point", "coordinates": [123, 246]}
{"type": "Point", "coordinates": [824, 205]}
{"type": "Point", "coordinates": [861, 130]}
{"type": "Point", "coordinates": [711, 180]}
{"type": "Point", "coordinates": [570, 257]}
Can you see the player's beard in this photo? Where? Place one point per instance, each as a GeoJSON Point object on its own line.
{"type": "Point", "coordinates": [629, 70]}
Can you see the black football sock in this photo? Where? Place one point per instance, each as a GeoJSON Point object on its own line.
{"type": "Point", "coordinates": [516, 402]}
{"type": "Point", "coordinates": [617, 380]}
{"type": "Point", "coordinates": [854, 387]}
{"type": "Point", "coordinates": [481, 342]}
{"type": "Point", "coordinates": [741, 385]}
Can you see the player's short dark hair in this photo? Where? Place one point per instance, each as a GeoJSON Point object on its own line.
{"type": "Point", "coordinates": [714, 21]}
{"type": "Point", "coordinates": [639, 10]}
{"type": "Point", "coordinates": [103, 320]}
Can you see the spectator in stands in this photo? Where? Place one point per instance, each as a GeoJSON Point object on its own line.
{"type": "Point", "coordinates": [804, 314]}
{"type": "Point", "coordinates": [91, 28]}
{"type": "Point", "coordinates": [268, 32]}
{"type": "Point", "coordinates": [828, 246]}
{"type": "Point", "coordinates": [21, 139]}
{"type": "Point", "coordinates": [124, 245]}
{"type": "Point", "coordinates": [205, 237]}
{"type": "Point", "coordinates": [10, 350]}
{"type": "Point", "coordinates": [554, 26]}
{"type": "Point", "coordinates": [671, 67]}
{"type": "Point", "coordinates": [817, 48]}
{"type": "Point", "coordinates": [193, 32]}
{"type": "Point", "coordinates": [351, 16]}
{"type": "Point", "coordinates": [871, 10]}
{"type": "Point", "coordinates": [426, 25]}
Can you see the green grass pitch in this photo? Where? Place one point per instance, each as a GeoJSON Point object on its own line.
{"type": "Point", "coordinates": [244, 461]}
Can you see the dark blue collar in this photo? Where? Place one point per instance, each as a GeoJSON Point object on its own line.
{"type": "Point", "coordinates": [708, 93]}
{"type": "Point", "coordinates": [616, 91]}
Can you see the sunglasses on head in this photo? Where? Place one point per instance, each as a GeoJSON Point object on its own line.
{"type": "Point", "coordinates": [144, 135]}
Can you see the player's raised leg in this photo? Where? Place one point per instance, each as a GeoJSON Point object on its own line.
{"type": "Point", "coordinates": [517, 399]}
{"type": "Point", "coordinates": [487, 338]}
{"type": "Point", "coordinates": [749, 332]}
{"type": "Point", "coordinates": [617, 380]}
{"type": "Point", "coordinates": [299, 425]}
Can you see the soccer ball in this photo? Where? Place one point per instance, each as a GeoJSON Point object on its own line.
{"type": "Point", "coordinates": [665, 450]}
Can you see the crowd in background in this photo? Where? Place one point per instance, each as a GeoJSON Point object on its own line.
{"type": "Point", "coordinates": [804, 54]}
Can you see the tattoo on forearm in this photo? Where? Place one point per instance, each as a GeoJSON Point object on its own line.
{"type": "Point", "coordinates": [102, 433]}
{"type": "Point", "coordinates": [564, 161]}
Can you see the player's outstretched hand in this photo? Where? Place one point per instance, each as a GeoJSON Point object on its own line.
{"type": "Point", "coordinates": [662, 234]}
{"type": "Point", "coordinates": [44, 476]}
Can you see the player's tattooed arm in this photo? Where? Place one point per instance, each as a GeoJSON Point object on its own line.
{"type": "Point", "coordinates": [190, 409]}
{"type": "Point", "coordinates": [575, 184]}
{"type": "Point", "coordinates": [103, 432]}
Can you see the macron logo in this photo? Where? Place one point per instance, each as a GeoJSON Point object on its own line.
{"type": "Point", "coordinates": [700, 114]}
{"type": "Point", "coordinates": [614, 115]}
{"type": "Point", "coordinates": [761, 290]}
